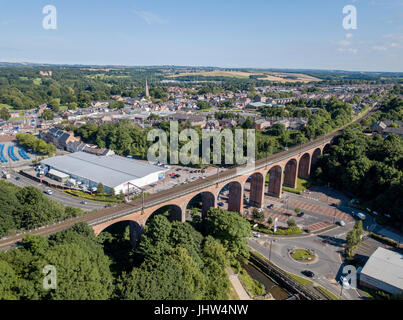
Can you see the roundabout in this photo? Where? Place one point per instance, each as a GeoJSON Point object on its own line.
{"type": "Point", "coordinates": [303, 255]}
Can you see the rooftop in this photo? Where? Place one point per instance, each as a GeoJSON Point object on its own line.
{"type": "Point", "coordinates": [385, 265]}
{"type": "Point", "coordinates": [112, 171]}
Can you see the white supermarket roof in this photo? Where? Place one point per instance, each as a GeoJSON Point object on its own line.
{"type": "Point", "coordinates": [112, 171]}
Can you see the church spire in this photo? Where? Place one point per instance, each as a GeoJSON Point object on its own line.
{"type": "Point", "coordinates": [147, 90]}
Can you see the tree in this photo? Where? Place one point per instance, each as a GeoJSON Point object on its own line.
{"type": "Point", "coordinates": [8, 282]}
{"type": "Point", "coordinates": [78, 278]}
{"type": "Point", "coordinates": [116, 105]}
{"type": "Point", "coordinates": [4, 114]}
{"type": "Point", "coordinates": [258, 214]}
{"type": "Point", "coordinates": [203, 104]}
{"type": "Point", "coordinates": [54, 104]}
{"type": "Point", "coordinates": [230, 229]}
{"type": "Point", "coordinates": [47, 115]}
{"type": "Point", "coordinates": [291, 223]}
{"type": "Point", "coordinates": [100, 189]}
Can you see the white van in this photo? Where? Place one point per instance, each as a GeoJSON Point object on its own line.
{"type": "Point", "coordinates": [361, 216]}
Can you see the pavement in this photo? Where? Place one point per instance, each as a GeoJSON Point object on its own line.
{"type": "Point", "coordinates": [238, 287]}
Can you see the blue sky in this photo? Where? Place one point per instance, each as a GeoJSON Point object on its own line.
{"type": "Point", "coordinates": [223, 33]}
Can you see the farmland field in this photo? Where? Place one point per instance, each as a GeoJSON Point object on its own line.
{"type": "Point", "coordinates": [270, 76]}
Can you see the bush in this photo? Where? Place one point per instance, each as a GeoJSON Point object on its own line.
{"type": "Point", "coordinates": [289, 231]}
{"type": "Point", "coordinates": [384, 240]}
{"type": "Point", "coordinates": [254, 287]}
{"type": "Point", "coordinates": [291, 223]}
{"type": "Point", "coordinates": [257, 215]}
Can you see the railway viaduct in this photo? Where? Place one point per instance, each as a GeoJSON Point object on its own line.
{"type": "Point", "coordinates": [267, 177]}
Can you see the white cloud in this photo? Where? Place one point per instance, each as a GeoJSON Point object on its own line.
{"type": "Point", "coordinates": [150, 18]}
{"type": "Point", "coordinates": [341, 43]}
{"type": "Point", "coordinates": [348, 50]}
{"type": "Point", "coordinates": [349, 35]}
{"type": "Point", "coordinates": [380, 48]}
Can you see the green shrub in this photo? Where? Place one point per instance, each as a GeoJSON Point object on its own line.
{"type": "Point", "coordinates": [255, 288]}
{"type": "Point", "coordinates": [384, 240]}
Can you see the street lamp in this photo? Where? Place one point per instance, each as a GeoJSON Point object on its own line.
{"type": "Point", "coordinates": [142, 194]}
{"type": "Point", "coordinates": [271, 243]}
{"type": "Point", "coordinates": [334, 216]}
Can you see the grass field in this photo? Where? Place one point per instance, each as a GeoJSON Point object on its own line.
{"type": "Point", "coordinates": [302, 185]}
{"type": "Point", "coordinates": [269, 76]}
{"type": "Point", "coordinates": [302, 254]}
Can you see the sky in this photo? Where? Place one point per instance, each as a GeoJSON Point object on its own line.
{"type": "Point", "coordinates": [294, 34]}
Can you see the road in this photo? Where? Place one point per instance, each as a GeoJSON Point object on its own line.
{"type": "Point", "coordinates": [327, 246]}
{"type": "Point", "coordinates": [111, 213]}
{"type": "Point", "coordinates": [57, 195]}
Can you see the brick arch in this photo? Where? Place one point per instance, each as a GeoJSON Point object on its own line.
{"type": "Point", "coordinates": [315, 155]}
{"type": "Point", "coordinates": [304, 166]}
{"type": "Point", "coordinates": [291, 173]}
{"type": "Point", "coordinates": [275, 181]}
{"type": "Point", "coordinates": [235, 195]}
{"type": "Point", "coordinates": [326, 148]}
{"type": "Point", "coordinates": [208, 200]}
{"type": "Point", "coordinates": [256, 190]}
{"type": "Point", "coordinates": [138, 216]}
{"type": "Point", "coordinates": [136, 230]}
{"type": "Point", "coordinates": [176, 212]}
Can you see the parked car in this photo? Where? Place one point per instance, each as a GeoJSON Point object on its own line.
{"type": "Point", "coordinates": [49, 192]}
{"type": "Point", "coordinates": [270, 206]}
{"type": "Point", "coordinates": [308, 273]}
{"type": "Point", "coordinates": [221, 204]}
{"type": "Point", "coordinates": [256, 234]}
{"type": "Point", "coordinates": [342, 223]}
{"type": "Point", "coordinates": [301, 214]}
{"type": "Point", "coordinates": [83, 202]}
